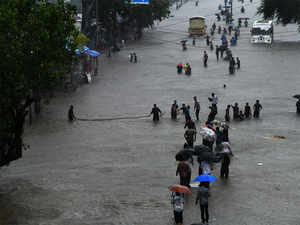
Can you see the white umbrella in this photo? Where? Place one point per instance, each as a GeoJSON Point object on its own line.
{"type": "Point", "coordinates": [226, 149]}
{"type": "Point", "coordinates": [207, 133]}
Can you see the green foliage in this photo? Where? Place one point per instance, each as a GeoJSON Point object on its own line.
{"type": "Point", "coordinates": [142, 15]}
{"type": "Point", "coordinates": [36, 50]}
{"type": "Point", "coordinates": [287, 11]}
{"type": "Point", "coordinates": [81, 40]}
{"type": "Point", "coordinates": [145, 15]}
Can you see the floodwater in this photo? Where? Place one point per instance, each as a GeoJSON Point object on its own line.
{"type": "Point", "coordinates": [117, 172]}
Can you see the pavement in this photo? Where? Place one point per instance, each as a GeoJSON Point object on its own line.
{"type": "Point", "coordinates": [117, 172]}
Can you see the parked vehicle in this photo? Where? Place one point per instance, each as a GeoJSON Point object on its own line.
{"type": "Point", "coordinates": [197, 26]}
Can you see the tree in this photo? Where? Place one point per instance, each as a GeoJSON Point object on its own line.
{"type": "Point", "coordinates": [145, 15]}
{"type": "Point", "coordinates": [141, 16]}
{"type": "Point", "coordinates": [285, 12]}
{"type": "Point", "coordinates": [36, 51]}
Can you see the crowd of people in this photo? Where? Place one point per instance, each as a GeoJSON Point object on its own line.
{"type": "Point", "coordinates": [214, 143]}
{"type": "Point", "coordinates": [240, 115]}
{"type": "Point", "coordinates": [229, 37]}
{"type": "Point", "coordinates": [132, 57]}
{"type": "Point", "coordinates": [215, 137]}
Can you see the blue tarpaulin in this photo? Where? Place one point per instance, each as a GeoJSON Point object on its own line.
{"type": "Point", "coordinates": [82, 50]}
{"type": "Point", "coordinates": [87, 50]}
{"type": "Point", "coordinates": [146, 2]}
{"type": "Point", "coordinates": [93, 53]}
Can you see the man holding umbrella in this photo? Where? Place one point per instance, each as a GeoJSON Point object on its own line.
{"type": "Point", "coordinates": [178, 201]}
{"type": "Point", "coordinates": [298, 106]}
{"type": "Point", "coordinates": [297, 103]}
{"type": "Point", "coordinates": [226, 154]}
{"type": "Point", "coordinates": [184, 171]}
{"type": "Point", "coordinates": [178, 206]}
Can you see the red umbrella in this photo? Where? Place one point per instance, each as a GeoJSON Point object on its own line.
{"type": "Point", "coordinates": [180, 189]}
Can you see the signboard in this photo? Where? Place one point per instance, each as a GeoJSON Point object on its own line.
{"type": "Point", "coordinates": [142, 2]}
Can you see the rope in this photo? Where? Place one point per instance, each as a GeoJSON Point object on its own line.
{"type": "Point", "coordinates": [115, 118]}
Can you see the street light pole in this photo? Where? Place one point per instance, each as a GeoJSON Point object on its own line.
{"type": "Point", "coordinates": [231, 8]}
{"type": "Point", "coordinates": [97, 25]}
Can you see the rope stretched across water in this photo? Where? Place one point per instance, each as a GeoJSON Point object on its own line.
{"type": "Point", "coordinates": [118, 118]}
{"type": "Point", "coordinates": [115, 118]}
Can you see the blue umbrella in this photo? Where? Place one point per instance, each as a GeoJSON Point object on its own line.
{"type": "Point", "coordinates": [77, 52]}
{"type": "Point", "coordinates": [93, 53]}
{"type": "Point", "coordinates": [223, 37]}
{"type": "Point", "coordinates": [205, 178]}
{"type": "Point", "coordinates": [85, 48]}
{"type": "Point", "coordinates": [82, 50]}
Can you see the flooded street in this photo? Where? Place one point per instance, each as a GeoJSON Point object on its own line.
{"type": "Point", "coordinates": [118, 172]}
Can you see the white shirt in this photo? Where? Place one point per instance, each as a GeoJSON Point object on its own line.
{"type": "Point", "coordinates": [214, 100]}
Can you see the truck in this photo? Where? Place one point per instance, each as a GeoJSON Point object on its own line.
{"type": "Point", "coordinates": [262, 32]}
{"type": "Point", "coordinates": [197, 26]}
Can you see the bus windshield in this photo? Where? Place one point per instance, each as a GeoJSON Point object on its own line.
{"type": "Point", "coordinates": [259, 31]}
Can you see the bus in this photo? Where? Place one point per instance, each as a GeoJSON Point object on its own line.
{"type": "Point", "coordinates": [197, 26]}
{"type": "Point", "coordinates": [262, 32]}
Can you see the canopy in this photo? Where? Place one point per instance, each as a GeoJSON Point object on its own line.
{"type": "Point", "coordinates": [180, 189]}
{"type": "Point", "coordinates": [205, 178]}
{"type": "Point", "coordinates": [82, 50]}
{"type": "Point", "coordinates": [207, 133]}
{"type": "Point", "coordinates": [184, 155]}
{"type": "Point", "coordinates": [198, 149]}
{"type": "Point", "coordinates": [93, 53]}
{"type": "Point", "coordinates": [88, 51]}
{"type": "Point", "coordinates": [296, 96]}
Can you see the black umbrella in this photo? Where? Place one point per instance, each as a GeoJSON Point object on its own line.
{"type": "Point", "coordinates": [296, 96]}
{"type": "Point", "coordinates": [206, 156]}
{"type": "Point", "coordinates": [198, 149]}
{"type": "Point", "coordinates": [184, 155]}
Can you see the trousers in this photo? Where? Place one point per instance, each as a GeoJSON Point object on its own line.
{"type": "Point", "coordinates": [204, 213]}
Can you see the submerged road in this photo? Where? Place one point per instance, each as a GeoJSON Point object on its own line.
{"type": "Point", "coordinates": [117, 172]}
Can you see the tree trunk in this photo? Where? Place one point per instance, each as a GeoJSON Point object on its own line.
{"type": "Point", "coordinates": [37, 100]}
{"type": "Point", "coordinates": [11, 145]}
{"type": "Point", "coordinates": [37, 106]}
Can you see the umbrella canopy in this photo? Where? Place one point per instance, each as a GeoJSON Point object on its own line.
{"type": "Point", "coordinates": [184, 155]}
{"type": "Point", "coordinates": [205, 178]}
{"type": "Point", "coordinates": [189, 151]}
{"type": "Point", "coordinates": [226, 149]}
{"type": "Point", "coordinates": [296, 96]}
{"type": "Point", "coordinates": [207, 133]}
{"type": "Point", "coordinates": [223, 37]}
{"type": "Point", "coordinates": [206, 156]}
{"type": "Point", "coordinates": [198, 149]}
{"type": "Point", "coordinates": [82, 50]}
{"type": "Point", "coordinates": [219, 123]}
{"type": "Point", "coordinates": [93, 53]}
{"type": "Point", "coordinates": [180, 189]}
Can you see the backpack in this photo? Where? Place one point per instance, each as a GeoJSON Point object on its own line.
{"type": "Point", "coordinates": [178, 204]}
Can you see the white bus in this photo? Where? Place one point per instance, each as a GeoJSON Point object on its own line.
{"type": "Point", "coordinates": [262, 32]}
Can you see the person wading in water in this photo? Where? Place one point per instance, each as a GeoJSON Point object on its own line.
{"type": "Point", "coordinates": [71, 115]}
{"type": "Point", "coordinates": [156, 113]}
{"type": "Point", "coordinates": [256, 109]}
